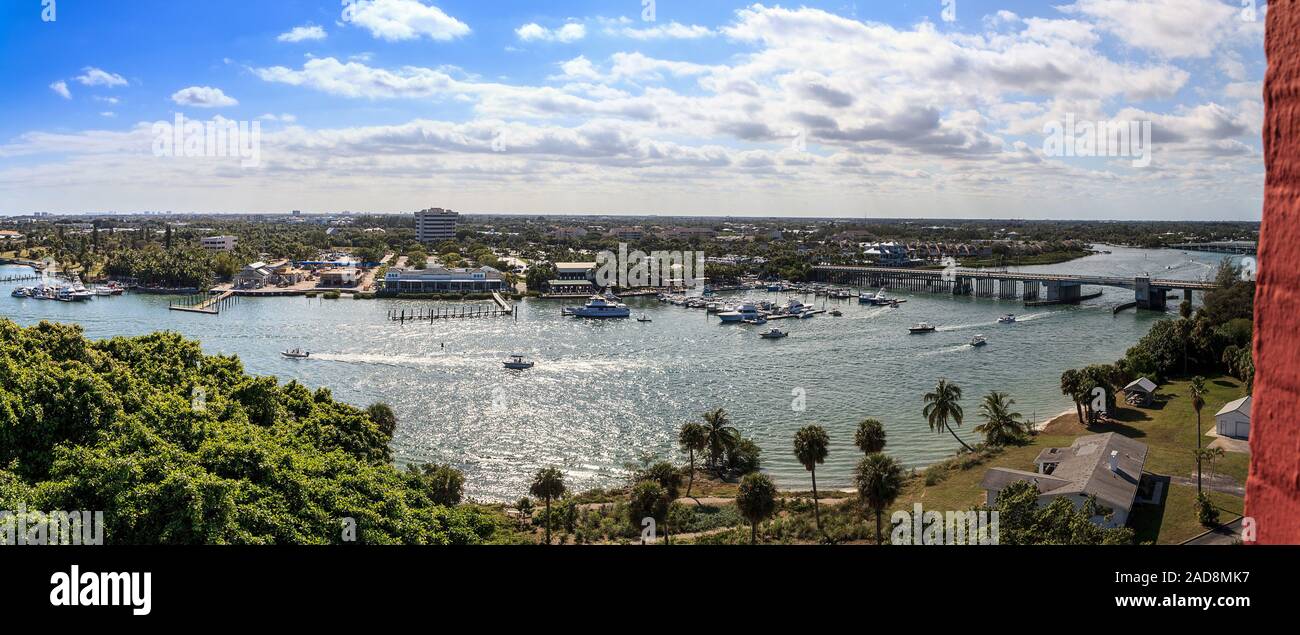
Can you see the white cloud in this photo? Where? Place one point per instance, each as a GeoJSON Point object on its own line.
{"type": "Point", "coordinates": [203, 97]}
{"type": "Point", "coordinates": [107, 100]}
{"type": "Point", "coordinates": [670, 31]}
{"type": "Point", "coordinates": [533, 32]}
{"type": "Point", "coordinates": [302, 34]}
{"type": "Point", "coordinates": [283, 118]}
{"type": "Point", "coordinates": [61, 88]}
{"type": "Point", "coordinates": [397, 20]}
{"type": "Point", "coordinates": [1169, 28]}
{"type": "Point", "coordinates": [92, 76]}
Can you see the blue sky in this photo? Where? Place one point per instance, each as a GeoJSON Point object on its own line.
{"type": "Point", "coordinates": [883, 109]}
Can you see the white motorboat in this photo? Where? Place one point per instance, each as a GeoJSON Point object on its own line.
{"type": "Point", "coordinates": [774, 334]}
{"type": "Point", "coordinates": [875, 299]}
{"type": "Point", "coordinates": [21, 292]}
{"type": "Point", "coordinates": [296, 353]}
{"type": "Point", "coordinates": [923, 327]}
{"type": "Point", "coordinates": [598, 307]}
{"type": "Point", "coordinates": [516, 362]}
{"type": "Point", "coordinates": [743, 313]}
{"type": "Point", "coordinates": [1009, 318]}
{"type": "Point", "coordinates": [978, 340]}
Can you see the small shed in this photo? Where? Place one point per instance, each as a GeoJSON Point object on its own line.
{"type": "Point", "coordinates": [1140, 391]}
{"type": "Point", "coordinates": [1233, 420]}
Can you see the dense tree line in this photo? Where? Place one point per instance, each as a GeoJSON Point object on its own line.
{"type": "Point", "coordinates": [180, 447]}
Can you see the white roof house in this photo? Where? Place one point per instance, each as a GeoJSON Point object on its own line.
{"type": "Point", "coordinates": [1233, 420]}
{"type": "Point", "coordinates": [1141, 384]}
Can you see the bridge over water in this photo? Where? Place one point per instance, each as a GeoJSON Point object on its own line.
{"type": "Point", "coordinates": [1148, 293]}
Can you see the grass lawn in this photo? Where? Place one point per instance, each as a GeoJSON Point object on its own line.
{"type": "Point", "coordinates": [1169, 430]}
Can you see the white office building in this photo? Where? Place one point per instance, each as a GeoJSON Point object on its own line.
{"type": "Point", "coordinates": [435, 224]}
{"type": "Point", "coordinates": [219, 243]}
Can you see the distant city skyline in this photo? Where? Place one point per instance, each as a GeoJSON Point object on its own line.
{"type": "Point", "coordinates": [921, 109]}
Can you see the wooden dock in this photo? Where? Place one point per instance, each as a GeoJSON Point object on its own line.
{"type": "Point", "coordinates": [208, 305]}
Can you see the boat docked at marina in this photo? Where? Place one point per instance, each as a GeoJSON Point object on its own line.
{"type": "Point", "coordinates": [744, 312]}
{"type": "Point", "coordinates": [875, 299]}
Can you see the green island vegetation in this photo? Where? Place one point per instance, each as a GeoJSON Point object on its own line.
{"type": "Point", "coordinates": [178, 447]}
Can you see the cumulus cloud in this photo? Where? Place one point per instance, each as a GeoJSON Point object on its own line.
{"type": "Point", "coordinates": [92, 76]}
{"type": "Point", "coordinates": [61, 89]}
{"type": "Point", "coordinates": [1170, 28]}
{"type": "Point", "coordinates": [669, 31]}
{"type": "Point", "coordinates": [397, 20]}
{"type": "Point", "coordinates": [302, 34]}
{"type": "Point", "coordinates": [203, 97]}
{"type": "Point", "coordinates": [533, 32]}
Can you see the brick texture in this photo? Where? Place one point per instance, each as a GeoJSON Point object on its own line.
{"type": "Point", "coordinates": [1273, 489]}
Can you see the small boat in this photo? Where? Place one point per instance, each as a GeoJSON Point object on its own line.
{"type": "Point", "coordinates": [1009, 318]}
{"type": "Point", "coordinates": [643, 318]}
{"type": "Point", "coordinates": [757, 321]}
{"type": "Point", "coordinates": [296, 353]}
{"type": "Point", "coordinates": [774, 334]}
{"type": "Point", "coordinates": [837, 312]}
{"type": "Point", "coordinates": [924, 327]}
{"type": "Point", "coordinates": [978, 340]}
{"type": "Point", "coordinates": [22, 292]}
{"type": "Point", "coordinates": [807, 314]}
{"type": "Point", "coordinates": [516, 362]}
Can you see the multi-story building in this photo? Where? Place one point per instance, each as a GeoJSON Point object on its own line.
{"type": "Point", "coordinates": [219, 243]}
{"type": "Point", "coordinates": [435, 224]}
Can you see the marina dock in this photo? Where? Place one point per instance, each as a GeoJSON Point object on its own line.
{"type": "Point", "coordinates": [500, 307]}
{"type": "Point", "coordinates": [209, 305]}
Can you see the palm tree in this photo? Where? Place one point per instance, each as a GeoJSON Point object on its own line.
{"type": "Point", "coordinates": [1198, 391]}
{"type": "Point", "coordinates": [879, 479]}
{"type": "Point", "coordinates": [1001, 426]}
{"type": "Point", "coordinates": [692, 437]}
{"type": "Point", "coordinates": [669, 478]}
{"type": "Point", "coordinates": [1070, 383]}
{"type": "Point", "coordinates": [756, 500]}
{"type": "Point", "coordinates": [722, 436]}
{"type": "Point", "coordinates": [811, 444]}
{"type": "Point", "coordinates": [548, 484]}
{"type": "Point", "coordinates": [941, 407]}
{"type": "Point", "coordinates": [870, 437]}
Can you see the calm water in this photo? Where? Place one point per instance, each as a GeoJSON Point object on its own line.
{"type": "Point", "coordinates": [604, 394]}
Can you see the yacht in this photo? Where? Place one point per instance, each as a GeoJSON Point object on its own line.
{"type": "Point", "coordinates": [774, 334]}
{"type": "Point", "coordinates": [875, 299]}
{"type": "Point", "coordinates": [598, 307]}
{"type": "Point", "coordinates": [1009, 318]}
{"type": "Point", "coordinates": [978, 340]}
{"type": "Point", "coordinates": [923, 327]}
{"type": "Point", "coordinates": [516, 362]}
{"type": "Point", "coordinates": [22, 292]}
{"type": "Point", "coordinates": [746, 311]}
{"type": "Point", "coordinates": [791, 307]}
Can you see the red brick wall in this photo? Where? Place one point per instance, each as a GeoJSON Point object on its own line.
{"type": "Point", "coordinates": [1273, 490]}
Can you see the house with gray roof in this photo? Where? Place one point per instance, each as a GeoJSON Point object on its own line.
{"type": "Point", "coordinates": [1107, 466]}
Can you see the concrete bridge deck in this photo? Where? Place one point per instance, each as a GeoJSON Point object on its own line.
{"type": "Point", "coordinates": [1149, 293]}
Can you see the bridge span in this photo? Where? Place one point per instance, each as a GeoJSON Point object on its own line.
{"type": "Point", "coordinates": [1148, 293]}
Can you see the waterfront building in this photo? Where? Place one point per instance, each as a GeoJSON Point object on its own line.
{"type": "Point", "coordinates": [572, 278]}
{"type": "Point", "coordinates": [441, 280]}
{"type": "Point", "coordinates": [340, 277]}
{"type": "Point", "coordinates": [889, 254]}
{"type": "Point", "coordinates": [253, 276]}
{"type": "Point", "coordinates": [435, 224]}
{"type": "Point", "coordinates": [1108, 466]}
{"type": "Point", "coordinates": [219, 243]}
{"type": "Point", "coordinates": [1233, 420]}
